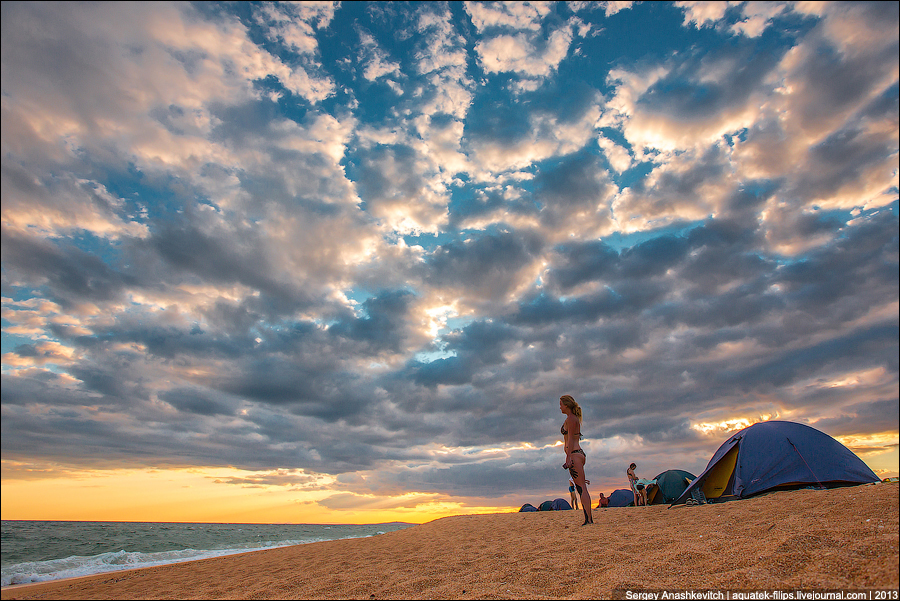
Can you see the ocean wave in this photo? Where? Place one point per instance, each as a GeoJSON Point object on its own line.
{"type": "Point", "coordinates": [75, 566]}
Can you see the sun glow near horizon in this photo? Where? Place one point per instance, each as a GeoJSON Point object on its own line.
{"type": "Point", "coordinates": [207, 496]}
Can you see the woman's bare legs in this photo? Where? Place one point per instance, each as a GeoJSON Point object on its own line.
{"type": "Point", "coordinates": [577, 472]}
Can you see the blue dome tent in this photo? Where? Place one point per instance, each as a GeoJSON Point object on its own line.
{"type": "Point", "coordinates": [554, 505]}
{"type": "Point", "coordinates": [560, 505]}
{"type": "Point", "coordinates": [776, 455]}
{"type": "Point", "coordinates": [621, 498]}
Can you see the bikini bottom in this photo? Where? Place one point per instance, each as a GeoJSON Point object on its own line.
{"type": "Point", "coordinates": [573, 471]}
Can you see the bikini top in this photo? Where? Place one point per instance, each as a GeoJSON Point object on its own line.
{"type": "Point", "coordinates": [564, 432]}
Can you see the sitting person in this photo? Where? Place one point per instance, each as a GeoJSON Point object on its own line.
{"type": "Point", "coordinates": [646, 489]}
{"type": "Point", "coordinates": [603, 502]}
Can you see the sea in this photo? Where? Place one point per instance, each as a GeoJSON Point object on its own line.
{"type": "Point", "coordinates": [43, 551]}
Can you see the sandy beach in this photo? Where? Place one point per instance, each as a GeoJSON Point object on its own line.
{"type": "Point", "coordinates": [798, 540]}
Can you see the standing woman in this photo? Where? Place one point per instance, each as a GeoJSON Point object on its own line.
{"type": "Point", "coordinates": [640, 494]}
{"type": "Point", "coordinates": [575, 457]}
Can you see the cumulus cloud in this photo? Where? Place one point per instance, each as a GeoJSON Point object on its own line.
{"type": "Point", "coordinates": [519, 15]}
{"type": "Point", "coordinates": [294, 23]}
{"type": "Point", "coordinates": [700, 14]}
{"type": "Point", "coordinates": [515, 40]}
{"type": "Point", "coordinates": [520, 54]}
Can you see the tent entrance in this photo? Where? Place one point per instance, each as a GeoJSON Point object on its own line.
{"type": "Point", "coordinates": [718, 480]}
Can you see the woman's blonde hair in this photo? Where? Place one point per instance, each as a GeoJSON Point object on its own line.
{"type": "Point", "coordinates": [569, 402]}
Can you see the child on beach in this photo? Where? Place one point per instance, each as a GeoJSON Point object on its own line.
{"type": "Point", "coordinates": [572, 493]}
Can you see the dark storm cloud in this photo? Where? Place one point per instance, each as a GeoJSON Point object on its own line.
{"type": "Point", "coordinates": [834, 80]}
{"type": "Point", "coordinates": [476, 346]}
{"type": "Point", "coordinates": [40, 386]}
{"type": "Point", "coordinates": [499, 122]}
{"type": "Point", "coordinates": [170, 342]}
{"type": "Point", "coordinates": [685, 93]}
{"type": "Point", "coordinates": [278, 381]}
{"type": "Point", "coordinates": [573, 192]}
{"type": "Point", "coordinates": [107, 382]}
{"type": "Point", "coordinates": [487, 264]}
{"type": "Point", "coordinates": [860, 265]}
{"type": "Point", "coordinates": [258, 438]}
{"type": "Point", "coordinates": [544, 309]}
{"type": "Point", "coordinates": [862, 418]}
{"type": "Point", "coordinates": [581, 262]}
{"type": "Point", "coordinates": [383, 324]}
{"type": "Point", "coordinates": [225, 257]}
{"type": "Point", "coordinates": [845, 158]}
{"type": "Point", "coordinates": [787, 367]}
{"type": "Point", "coordinates": [196, 401]}
{"type": "Point", "coordinates": [71, 274]}
{"type": "Point", "coordinates": [596, 261]}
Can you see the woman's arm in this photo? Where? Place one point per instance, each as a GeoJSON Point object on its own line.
{"type": "Point", "coordinates": [568, 445]}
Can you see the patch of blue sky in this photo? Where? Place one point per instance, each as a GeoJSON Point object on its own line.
{"type": "Point", "coordinates": [497, 115]}
{"type": "Point", "coordinates": [619, 241]}
{"type": "Point", "coordinates": [164, 196]}
{"type": "Point", "coordinates": [456, 323]}
{"type": "Point", "coordinates": [358, 296]}
{"type": "Point", "coordinates": [10, 342]}
{"type": "Point", "coordinates": [758, 188]}
{"type": "Point", "coordinates": [736, 136]}
{"type": "Point", "coordinates": [377, 102]}
{"type": "Point", "coordinates": [645, 35]}
{"type": "Point", "coordinates": [358, 36]}
{"type": "Point", "coordinates": [430, 242]}
{"type": "Point", "coordinates": [630, 177]}
{"type": "Point", "coordinates": [430, 356]}
{"type": "Point", "coordinates": [84, 249]}
{"type": "Point", "coordinates": [844, 216]}
{"type": "Point", "coordinates": [290, 106]}
{"type": "Point", "coordinates": [335, 45]}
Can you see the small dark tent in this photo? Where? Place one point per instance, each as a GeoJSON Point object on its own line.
{"type": "Point", "coordinates": [528, 507]}
{"type": "Point", "coordinates": [669, 486]}
{"type": "Point", "coordinates": [776, 455]}
{"type": "Point", "coordinates": [621, 498]}
{"type": "Point", "coordinates": [560, 504]}
{"type": "Point", "coordinates": [546, 506]}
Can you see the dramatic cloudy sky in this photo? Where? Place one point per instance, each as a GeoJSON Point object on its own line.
{"type": "Point", "coordinates": [329, 261]}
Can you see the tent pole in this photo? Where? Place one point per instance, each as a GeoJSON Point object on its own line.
{"type": "Point", "coordinates": [821, 486]}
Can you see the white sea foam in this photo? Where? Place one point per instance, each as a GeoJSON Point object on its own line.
{"type": "Point", "coordinates": [40, 551]}
{"type": "Point", "coordinates": [75, 566]}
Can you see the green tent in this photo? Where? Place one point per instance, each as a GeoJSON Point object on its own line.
{"type": "Point", "coordinates": [669, 486]}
